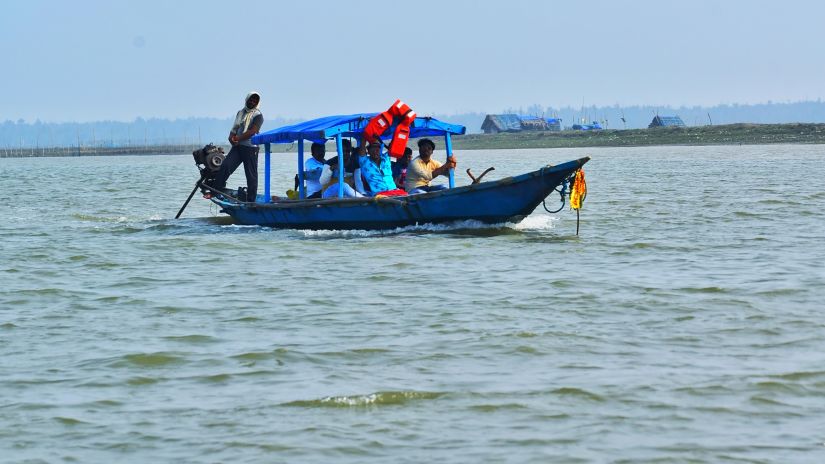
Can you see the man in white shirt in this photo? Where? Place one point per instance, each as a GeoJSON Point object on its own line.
{"type": "Point", "coordinates": [314, 169]}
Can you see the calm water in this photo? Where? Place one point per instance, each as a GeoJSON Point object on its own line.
{"type": "Point", "coordinates": [684, 324]}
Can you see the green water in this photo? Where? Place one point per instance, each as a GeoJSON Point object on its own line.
{"type": "Point", "coordinates": [684, 324]}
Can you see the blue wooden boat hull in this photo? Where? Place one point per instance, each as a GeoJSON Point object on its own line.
{"type": "Point", "coordinates": [506, 200]}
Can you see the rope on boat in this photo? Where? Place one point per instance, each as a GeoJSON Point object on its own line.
{"type": "Point", "coordinates": [562, 192]}
{"type": "Point", "coordinates": [578, 192]}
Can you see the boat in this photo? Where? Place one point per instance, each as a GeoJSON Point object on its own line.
{"type": "Point", "coordinates": [501, 201]}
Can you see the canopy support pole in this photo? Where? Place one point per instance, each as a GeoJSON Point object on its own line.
{"type": "Point", "coordinates": [339, 147]}
{"type": "Point", "coordinates": [267, 166]}
{"type": "Point", "coordinates": [449, 143]}
{"type": "Point", "coordinates": [302, 191]}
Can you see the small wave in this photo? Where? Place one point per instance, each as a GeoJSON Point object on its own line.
{"type": "Point", "coordinates": [194, 339]}
{"type": "Point", "coordinates": [69, 420]}
{"type": "Point", "coordinates": [761, 400]}
{"type": "Point", "coordinates": [256, 355]}
{"type": "Point", "coordinates": [246, 319]}
{"type": "Point", "coordinates": [803, 375]}
{"type": "Point", "coordinates": [779, 292]}
{"type": "Point", "coordinates": [92, 218]}
{"type": "Point", "coordinates": [578, 393]}
{"type": "Point", "coordinates": [772, 386]}
{"type": "Point", "coordinates": [159, 359]}
{"type": "Point", "coordinates": [703, 289]}
{"type": "Point", "coordinates": [389, 398]}
{"type": "Point", "coordinates": [217, 378]}
{"type": "Point", "coordinates": [138, 381]}
{"type": "Point", "coordinates": [497, 407]}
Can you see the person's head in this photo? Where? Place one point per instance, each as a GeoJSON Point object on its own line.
{"type": "Point", "coordinates": [374, 151]}
{"type": "Point", "coordinates": [252, 99]}
{"type": "Point", "coordinates": [318, 150]}
{"type": "Point", "coordinates": [405, 158]}
{"type": "Point", "coordinates": [425, 149]}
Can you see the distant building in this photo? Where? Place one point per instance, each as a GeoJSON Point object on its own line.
{"type": "Point", "coordinates": [553, 124]}
{"type": "Point", "coordinates": [532, 123]}
{"type": "Point", "coordinates": [495, 123]}
{"type": "Point", "coordinates": [587, 127]}
{"type": "Point", "coordinates": [666, 121]}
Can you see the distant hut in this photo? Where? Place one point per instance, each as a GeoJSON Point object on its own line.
{"type": "Point", "coordinates": [553, 124]}
{"type": "Point", "coordinates": [495, 123]}
{"type": "Point", "coordinates": [666, 121]}
{"type": "Point", "coordinates": [588, 127]}
{"type": "Point", "coordinates": [533, 123]}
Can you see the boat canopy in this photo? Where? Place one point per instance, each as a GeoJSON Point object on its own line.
{"type": "Point", "coordinates": [321, 129]}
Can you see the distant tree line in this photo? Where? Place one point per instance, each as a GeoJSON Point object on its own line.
{"type": "Point", "coordinates": [109, 134]}
{"type": "Point", "coordinates": [198, 131]}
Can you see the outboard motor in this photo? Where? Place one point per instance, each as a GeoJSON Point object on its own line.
{"type": "Point", "coordinates": [209, 160]}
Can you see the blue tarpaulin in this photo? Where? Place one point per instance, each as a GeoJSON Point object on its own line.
{"type": "Point", "coordinates": [351, 125]}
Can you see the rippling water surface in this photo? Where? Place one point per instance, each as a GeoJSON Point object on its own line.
{"type": "Point", "coordinates": [684, 323]}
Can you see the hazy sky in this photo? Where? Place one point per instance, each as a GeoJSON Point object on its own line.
{"type": "Point", "coordinates": [92, 60]}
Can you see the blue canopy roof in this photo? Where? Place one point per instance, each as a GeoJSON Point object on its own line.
{"type": "Point", "coordinates": [350, 126]}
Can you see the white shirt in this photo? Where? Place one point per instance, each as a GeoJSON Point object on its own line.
{"type": "Point", "coordinates": [313, 172]}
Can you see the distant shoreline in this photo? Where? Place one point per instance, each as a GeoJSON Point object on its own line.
{"type": "Point", "coordinates": [731, 134]}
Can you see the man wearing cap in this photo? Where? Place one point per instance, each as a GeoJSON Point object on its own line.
{"type": "Point", "coordinates": [377, 171]}
{"type": "Point", "coordinates": [248, 122]}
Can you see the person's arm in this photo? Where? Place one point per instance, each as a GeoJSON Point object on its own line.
{"type": "Point", "coordinates": [314, 173]}
{"type": "Point", "coordinates": [253, 129]}
{"type": "Point", "coordinates": [444, 169]}
{"type": "Point", "coordinates": [359, 183]}
{"type": "Point", "coordinates": [233, 139]}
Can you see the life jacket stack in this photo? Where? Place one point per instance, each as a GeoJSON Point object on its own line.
{"type": "Point", "coordinates": [400, 114]}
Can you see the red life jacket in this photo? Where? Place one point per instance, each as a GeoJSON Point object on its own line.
{"type": "Point", "coordinates": [392, 193]}
{"type": "Point", "coordinates": [399, 108]}
{"type": "Point", "coordinates": [401, 135]}
{"type": "Point", "coordinates": [377, 125]}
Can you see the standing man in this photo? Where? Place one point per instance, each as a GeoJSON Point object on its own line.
{"type": "Point", "coordinates": [247, 123]}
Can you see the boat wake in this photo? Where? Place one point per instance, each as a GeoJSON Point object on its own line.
{"type": "Point", "coordinates": [468, 227]}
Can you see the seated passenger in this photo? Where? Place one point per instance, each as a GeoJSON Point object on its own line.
{"type": "Point", "coordinates": [314, 169]}
{"type": "Point", "coordinates": [399, 167]}
{"type": "Point", "coordinates": [360, 183]}
{"type": "Point", "coordinates": [423, 169]}
{"type": "Point", "coordinates": [376, 169]}
{"type": "Point", "coordinates": [350, 157]}
{"type": "Point", "coordinates": [331, 187]}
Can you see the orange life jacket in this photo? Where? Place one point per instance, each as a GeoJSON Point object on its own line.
{"type": "Point", "coordinates": [399, 108]}
{"type": "Point", "coordinates": [377, 125]}
{"type": "Point", "coordinates": [401, 135]}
